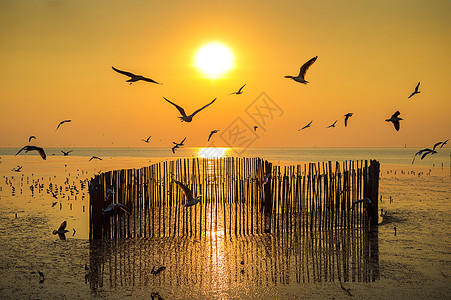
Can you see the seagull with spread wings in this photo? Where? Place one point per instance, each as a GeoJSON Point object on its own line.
{"type": "Point", "coordinates": [31, 148]}
{"type": "Point", "coordinates": [333, 125]}
{"type": "Point", "coordinates": [423, 153]}
{"type": "Point", "coordinates": [147, 140]}
{"type": "Point", "coordinates": [61, 231]}
{"type": "Point", "coordinates": [302, 71]}
{"type": "Point", "coordinates": [66, 153]}
{"type": "Point", "coordinates": [395, 120]}
{"type": "Point", "coordinates": [306, 126]}
{"type": "Point", "coordinates": [240, 91]}
{"type": "Point", "coordinates": [117, 206]}
{"type": "Point", "coordinates": [95, 157]}
{"type": "Point", "coordinates": [61, 123]}
{"type": "Point", "coordinates": [188, 118]}
{"type": "Point", "coordinates": [416, 91]}
{"type": "Point", "coordinates": [133, 77]}
{"type": "Point", "coordinates": [188, 194]}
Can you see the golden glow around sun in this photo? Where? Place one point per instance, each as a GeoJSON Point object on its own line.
{"type": "Point", "coordinates": [214, 59]}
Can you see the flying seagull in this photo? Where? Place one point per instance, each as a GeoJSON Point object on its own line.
{"type": "Point", "coordinates": [188, 194]}
{"type": "Point", "coordinates": [146, 141]}
{"type": "Point", "coordinates": [189, 118]}
{"type": "Point", "coordinates": [175, 147]}
{"type": "Point", "coordinates": [31, 137]}
{"type": "Point", "coordinates": [61, 231]}
{"type": "Point", "coordinates": [365, 201]}
{"type": "Point", "coordinates": [54, 203]}
{"type": "Point", "coordinates": [416, 91]}
{"type": "Point", "coordinates": [395, 120]}
{"type": "Point", "coordinates": [240, 91]}
{"type": "Point", "coordinates": [95, 157]}
{"type": "Point", "coordinates": [62, 122]}
{"type": "Point", "coordinates": [255, 128]}
{"type": "Point", "coordinates": [31, 148]}
{"type": "Point", "coordinates": [347, 117]}
{"type": "Point", "coordinates": [116, 206]}
{"type": "Point", "coordinates": [134, 77]}
{"type": "Point", "coordinates": [441, 144]}
{"type": "Point", "coordinates": [211, 133]}
{"type": "Point", "coordinates": [17, 169]}
{"type": "Point", "coordinates": [333, 125]}
{"type": "Point", "coordinates": [306, 126]}
{"type": "Point", "coordinates": [66, 153]}
{"type": "Point", "coordinates": [423, 153]}
{"type": "Point", "coordinates": [303, 70]}
{"type": "Point", "coordinates": [181, 143]}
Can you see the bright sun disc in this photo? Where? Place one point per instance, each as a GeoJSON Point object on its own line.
{"type": "Point", "coordinates": [214, 59]}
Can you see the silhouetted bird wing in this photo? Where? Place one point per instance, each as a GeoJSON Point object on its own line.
{"type": "Point", "coordinates": [436, 144]}
{"type": "Point", "coordinates": [31, 137]}
{"type": "Point", "coordinates": [307, 65]}
{"type": "Point", "coordinates": [416, 88]}
{"type": "Point", "coordinates": [241, 88]}
{"type": "Point", "coordinates": [124, 72]}
{"type": "Point", "coordinates": [188, 193]}
{"type": "Point", "coordinates": [202, 107]}
{"type": "Point", "coordinates": [63, 226]}
{"type": "Point", "coordinates": [124, 208]}
{"type": "Point", "coordinates": [181, 110]}
{"type": "Point", "coordinates": [396, 124]}
{"type": "Point", "coordinates": [396, 114]}
{"type": "Point", "coordinates": [62, 122]}
{"type": "Point", "coordinates": [444, 143]}
{"type": "Point", "coordinates": [149, 80]}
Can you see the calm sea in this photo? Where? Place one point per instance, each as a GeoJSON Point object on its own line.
{"type": "Point", "coordinates": [399, 156]}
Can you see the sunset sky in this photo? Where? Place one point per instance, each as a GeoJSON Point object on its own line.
{"type": "Point", "coordinates": [56, 59]}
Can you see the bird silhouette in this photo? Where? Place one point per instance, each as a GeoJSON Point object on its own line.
{"type": "Point", "coordinates": [211, 133]}
{"type": "Point", "coordinates": [61, 231]}
{"type": "Point", "coordinates": [147, 140]}
{"type": "Point", "coordinates": [66, 153]}
{"type": "Point", "coordinates": [240, 91]}
{"type": "Point", "coordinates": [301, 77]}
{"type": "Point", "coordinates": [188, 194]}
{"type": "Point", "coordinates": [306, 126]}
{"type": "Point", "coordinates": [188, 118]}
{"type": "Point", "coordinates": [31, 137]}
{"type": "Point", "coordinates": [333, 125]}
{"type": "Point", "coordinates": [347, 116]}
{"type": "Point", "coordinates": [61, 123]}
{"type": "Point", "coordinates": [31, 148]}
{"type": "Point", "coordinates": [395, 120]}
{"type": "Point", "coordinates": [416, 91]}
{"type": "Point", "coordinates": [133, 77]}
{"type": "Point", "coordinates": [95, 157]}
{"type": "Point", "coordinates": [116, 207]}
{"type": "Point", "coordinates": [441, 144]}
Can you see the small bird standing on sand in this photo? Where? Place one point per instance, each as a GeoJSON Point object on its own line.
{"type": "Point", "coordinates": [61, 123]}
{"type": "Point", "coordinates": [188, 194]}
{"type": "Point", "coordinates": [416, 91]}
{"type": "Point", "coordinates": [61, 231]}
{"type": "Point", "coordinates": [347, 116]}
{"type": "Point", "coordinates": [333, 125]}
{"type": "Point", "coordinates": [188, 118]}
{"type": "Point", "coordinates": [31, 148]}
{"type": "Point", "coordinates": [211, 133]}
{"type": "Point", "coordinates": [302, 71]}
{"type": "Point", "coordinates": [306, 126]}
{"type": "Point", "coordinates": [240, 91]}
{"type": "Point", "coordinates": [133, 77]}
{"type": "Point", "coordinates": [395, 120]}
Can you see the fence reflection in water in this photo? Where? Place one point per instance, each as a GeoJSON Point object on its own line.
{"type": "Point", "coordinates": [258, 260]}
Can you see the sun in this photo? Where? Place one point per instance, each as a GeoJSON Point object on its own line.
{"type": "Point", "coordinates": [214, 59]}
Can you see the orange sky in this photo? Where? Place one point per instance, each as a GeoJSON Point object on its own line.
{"type": "Point", "coordinates": [56, 59]}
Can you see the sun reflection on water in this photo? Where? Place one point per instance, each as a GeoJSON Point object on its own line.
{"type": "Point", "coordinates": [213, 152]}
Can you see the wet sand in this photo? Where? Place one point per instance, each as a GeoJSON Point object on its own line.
{"type": "Point", "coordinates": [415, 263]}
